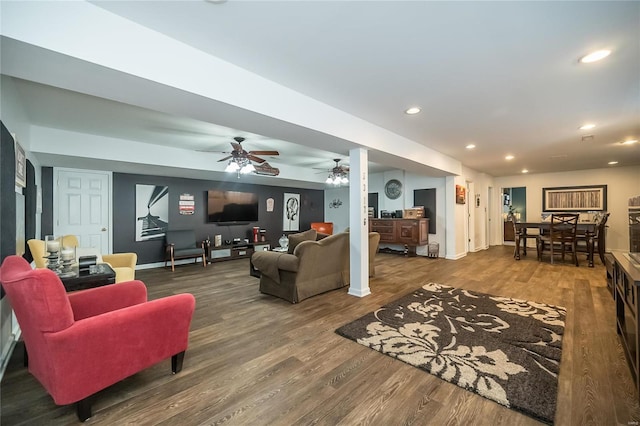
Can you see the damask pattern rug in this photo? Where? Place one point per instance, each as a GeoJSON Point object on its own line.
{"type": "Point", "coordinates": [506, 350]}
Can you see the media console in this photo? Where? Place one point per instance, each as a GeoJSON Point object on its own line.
{"type": "Point", "coordinates": [235, 251]}
{"type": "Point", "coordinates": [626, 282]}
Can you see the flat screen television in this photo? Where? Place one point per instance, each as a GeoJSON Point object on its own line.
{"type": "Point", "coordinates": [231, 207]}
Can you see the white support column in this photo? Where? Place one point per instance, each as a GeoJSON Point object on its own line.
{"type": "Point", "coordinates": [359, 222]}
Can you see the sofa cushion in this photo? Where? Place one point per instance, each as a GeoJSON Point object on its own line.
{"type": "Point", "coordinates": [295, 239]}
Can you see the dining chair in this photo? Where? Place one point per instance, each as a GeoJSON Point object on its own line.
{"type": "Point", "coordinates": [520, 236]}
{"type": "Point", "coordinates": [561, 236]}
{"type": "Point", "coordinates": [592, 242]}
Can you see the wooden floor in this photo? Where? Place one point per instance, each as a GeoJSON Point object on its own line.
{"type": "Point", "coordinates": [257, 360]}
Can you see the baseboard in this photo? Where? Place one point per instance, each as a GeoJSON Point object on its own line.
{"type": "Point", "coordinates": [6, 356]}
{"type": "Point", "coordinates": [456, 257]}
{"type": "Point", "coordinates": [161, 264]}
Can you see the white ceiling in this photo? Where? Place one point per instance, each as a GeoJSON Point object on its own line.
{"type": "Point", "coordinates": [501, 75]}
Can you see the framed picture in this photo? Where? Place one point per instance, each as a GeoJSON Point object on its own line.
{"type": "Point", "coordinates": [575, 198]}
{"type": "Point", "coordinates": [291, 212]}
{"type": "Point", "coordinates": [461, 193]}
{"type": "Point", "coordinates": [152, 211]}
{"type": "Point", "coordinates": [21, 165]}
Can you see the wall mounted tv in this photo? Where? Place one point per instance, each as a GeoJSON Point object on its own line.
{"type": "Point", "coordinates": [231, 207]}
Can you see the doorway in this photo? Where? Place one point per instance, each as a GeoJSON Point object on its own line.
{"type": "Point", "coordinates": [82, 206]}
{"type": "Point", "coordinates": [514, 205]}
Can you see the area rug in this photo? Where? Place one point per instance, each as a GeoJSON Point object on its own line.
{"type": "Point", "coordinates": [506, 350]}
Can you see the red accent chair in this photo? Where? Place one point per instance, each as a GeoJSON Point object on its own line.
{"type": "Point", "coordinates": [323, 227]}
{"type": "Point", "coordinates": [80, 343]}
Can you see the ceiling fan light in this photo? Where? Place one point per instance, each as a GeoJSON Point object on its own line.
{"type": "Point", "coordinates": [247, 168]}
{"type": "Point", "coordinates": [344, 179]}
{"type": "Point", "coordinates": [336, 180]}
{"type": "Point", "coordinates": [329, 180]}
{"type": "Point", "coordinates": [232, 167]}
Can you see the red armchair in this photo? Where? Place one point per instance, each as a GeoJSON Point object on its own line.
{"type": "Point", "coordinates": [80, 343]}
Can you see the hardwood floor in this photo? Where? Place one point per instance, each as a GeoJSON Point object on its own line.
{"type": "Point", "coordinates": [257, 360]}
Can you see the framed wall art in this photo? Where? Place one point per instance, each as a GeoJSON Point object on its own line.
{"type": "Point", "coordinates": [461, 194]}
{"type": "Point", "coordinates": [152, 211]}
{"type": "Point", "coordinates": [575, 198]}
{"type": "Point", "coordinates": [291, 212]}
{"type": "Point", "coordinates": [21, 165]}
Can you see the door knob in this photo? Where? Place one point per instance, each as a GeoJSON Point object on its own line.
{"type": "Point", "coordinates": [103, 229]}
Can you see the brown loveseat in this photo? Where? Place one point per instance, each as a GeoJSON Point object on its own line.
{"type": "Point", "coordinates": [312, 267]}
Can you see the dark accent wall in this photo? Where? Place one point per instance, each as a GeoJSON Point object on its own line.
{"type": "Point", "coordinates": [124, 220]}
{"type": "Point", "coordinates": [519, 201]}
{"type": "Point", "coordinates": [46, 218]}
{"type": "Point", "coordinates": [427, 198]}
{"type": "Point", "coordinates": [373, 202]}
{"type": "Point", "coordinates": [7, 196]}
{"type": "Point", "coordinates": [30, 195]}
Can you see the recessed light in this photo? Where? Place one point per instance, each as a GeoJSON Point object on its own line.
{"type": "Point", "coordinates": [595, 56]}
{"type": "Point", "coordinates": [412, 110]}
{"type": "Point", "coordinates": [629, 142]}
{"type": "Point", "coordinates": [587, 126]}
{"type": "Point", "coordinates": [525, 171]}
{"type": "Point", "coordinates": [509, 157]}
{"type": "Point", "coordinates": [611, 163]}
{"type": "Point", "coordinates": [470, 146]}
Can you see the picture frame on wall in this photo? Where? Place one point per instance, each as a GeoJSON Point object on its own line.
{"type": "Point", "coordinates": [152, 212]}
{"type": "Point", "coordinates": [21, 164]}
{"type": "Point", "coordinates": [461, 193]}
{"type": "Point", "coordinates": [575, 198]}
{"type": "Point", "coordinates": [291, 212]}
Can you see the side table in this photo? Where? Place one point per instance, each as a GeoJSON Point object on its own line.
{"type": "Point", "coordinates": [83, 280]}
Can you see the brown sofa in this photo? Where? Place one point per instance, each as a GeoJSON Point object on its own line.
{"type": "Point", "coordinates": [312, 267]}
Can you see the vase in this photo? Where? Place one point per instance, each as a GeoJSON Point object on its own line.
{"type": "Point", "coordinates": [284, 241]}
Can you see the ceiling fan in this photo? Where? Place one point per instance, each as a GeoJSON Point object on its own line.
{"type": "Point", "coordinates": [338, 175]}
{"type": "Point", "coordinates": [240, 160]}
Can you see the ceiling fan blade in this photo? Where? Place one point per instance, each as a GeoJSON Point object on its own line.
{"type": "Point", "coordinates": [254, 158]}
{"type": "Point", "coordinates": [264, 152]}
{"type": "Point", "coordinates": [266, 169]}
{"type": "Point", "coordinates": [225, 158]}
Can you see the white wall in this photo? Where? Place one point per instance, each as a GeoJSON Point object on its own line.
{"type": "Point", "coordinates": [339, 215]}
{"type": "Point", "coordinates": [622, 183]}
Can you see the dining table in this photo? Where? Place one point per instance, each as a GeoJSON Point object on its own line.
{"type": "Point", "coordinates": [585, 230]}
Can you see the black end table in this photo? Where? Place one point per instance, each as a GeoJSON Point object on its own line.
{"type": "Point", "coordinates": [83, 280]}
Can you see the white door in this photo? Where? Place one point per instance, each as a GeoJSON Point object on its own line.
{"type": "Point", "coordinates": [82, 206]}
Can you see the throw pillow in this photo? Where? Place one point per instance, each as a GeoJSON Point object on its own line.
{"type": "Point", "coordinates": [295, 239]}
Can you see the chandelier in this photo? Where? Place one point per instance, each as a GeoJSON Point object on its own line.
{"type": "Point", "coordinates": [338, 175]}
{"type": "Point", "coordinates": [337, 178]}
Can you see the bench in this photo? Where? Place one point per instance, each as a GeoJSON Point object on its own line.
{"type": "Point", "coordinates": [182, 245]}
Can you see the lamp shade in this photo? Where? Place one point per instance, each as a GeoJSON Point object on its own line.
{"type": "Point", "coordinates": [232, 167]}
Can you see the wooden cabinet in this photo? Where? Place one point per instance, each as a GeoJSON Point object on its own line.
{"type": "Point", "coordinates": [408, 232]}
{"type": "Point", "coordinates": [626, 280]}
{"type": "Point", "coordinates": [218, 254]}
{"type": "Point", "coordinates": [509, 233]}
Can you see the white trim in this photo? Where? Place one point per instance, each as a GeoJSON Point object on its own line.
{"type": "Point", "coordinates": [161, 264]}
{"type": "Point", "coordinates": [456, 257]}
{"type": "Point", "coordinates": [6, 356]}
